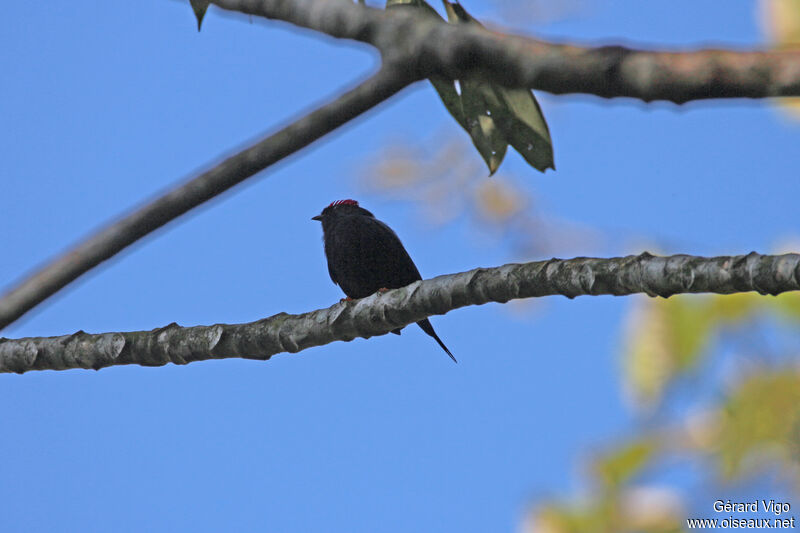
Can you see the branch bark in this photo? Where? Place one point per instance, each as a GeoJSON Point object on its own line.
{"type": "Point", "coordinates": [232, 171]}
{"type": "Point", "coordinates": [383, 312]}
{"type": "Point", "coordinates": [432, 47]}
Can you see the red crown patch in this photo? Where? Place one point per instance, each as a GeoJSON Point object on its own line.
{"type": "Point", "coordinates": [343, 202]}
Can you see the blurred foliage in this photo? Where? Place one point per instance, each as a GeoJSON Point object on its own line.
{"type": "Point", "coordinates": [617, 467]}
{"type": "Point", "coordinates": [669, 338]}
{"type": "Point", "coordinates": [750, 430]}
{"type": "Point", "coordinates": [650, 509]}
{"type": "Point", "coordinates": [664, 339]}
{"type": "Point", "coordinates": [781, 22]}
{"type": "Point", "coordinates": [759, 425]}
{"type": "Point", "coordinates": [493, 116]}
{"type": "Point", "coordinates": [448, 185]}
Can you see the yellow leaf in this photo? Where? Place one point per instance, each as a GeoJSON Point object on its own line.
{"type": "Point", "coordinates": [647, 356]}
{"type": "Point", "coordinates": [734, 308]}
{"type": "Point", "coordinates": [497, 200]}
{"type": "Point", "coordinates": [619, 466]}
{"type": "Point", "coordinates": [663, 339]}
{"type": "Point", "coordinates": [760, 419]}
{"type": "Point", "coordinates": [781, 22]}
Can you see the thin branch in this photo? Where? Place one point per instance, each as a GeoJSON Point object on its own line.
{"type": "Point", "coordinates": [457, 52]}
{"type": "Point", "coordinates": [381, 313]}
{"type": "Point", "coordinates": [232, 171]}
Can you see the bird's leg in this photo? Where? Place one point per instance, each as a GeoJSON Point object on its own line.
{"type": "Point", "coordinates": [345, 299]}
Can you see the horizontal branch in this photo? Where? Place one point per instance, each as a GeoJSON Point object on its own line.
{"type": "Point", "coordinates": [383, 312]}
{"type": "Point", "coordinates": [162, 210]}
{"type": "Point", "coordinates": [457, 52]}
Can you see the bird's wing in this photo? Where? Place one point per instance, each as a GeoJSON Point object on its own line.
{"type": "Point", "coordinates": [402, 266]}
{"type": "Point", "coordinates": [330, 272]}
{"type": "Point", "coordinates": [365, 255]}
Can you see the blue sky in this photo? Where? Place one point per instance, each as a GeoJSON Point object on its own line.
{"type": "Point", "coordinates": [106, 104]}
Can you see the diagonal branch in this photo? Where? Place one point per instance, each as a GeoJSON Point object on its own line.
{"type": "Point", "coordinates": [462, 51]}
{"type": "Point", "coordinates": [232, 171]}
{"type": "Point", "coordinates": [381, 313]}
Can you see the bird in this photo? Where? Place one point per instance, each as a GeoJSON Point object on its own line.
{"type": "Point", "coordinates": [365, 256]}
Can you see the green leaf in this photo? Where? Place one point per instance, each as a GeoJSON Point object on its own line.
{"type": "Point", "coordinates": [456, 13]}
{"type": "Point", "coordinates": [472, 113]}
{"type": "Point", "coordinates": [446, 88]}
{"type": "Point", "coordinates": [733, 309]}
{"type": "Point", "coordinates": [493, 116]}
{"type": "Point", "coordinates": [760, 420]}
{"type": "Point", "coordinates": [691, 328]}
{"type": "Point", "coordinates": [451, 99]}
{"type": "Point", "coordinates": [468, 108]}
{"type": "Point", "coordinates": [665, 340]}
{"type": "Point", "coordinates": [525, 128]}
{"type": "Point", "coordinates": [622, 464]}
{"type": "Point", "coordinates": [199, 7]}
{"type": "Point", "coordinates": [486, 136]}
{"type": "Point", "coordinates": [477, 120]}
{"type": "Point", "coordinates": [648, 360]}
{"type": "Point", "coordinates": [426, 7]}
{"type": "Point", "coordinates": [787, 305]}
{"type": "Point", "coordinates": [515, 112]}
{"type": "Point", "coordinates": [518, 116]}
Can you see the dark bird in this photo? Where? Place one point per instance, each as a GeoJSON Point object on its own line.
{"type": "Point", "coordinates": [365, 255]}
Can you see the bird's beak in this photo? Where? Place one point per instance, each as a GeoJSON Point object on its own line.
{"type": "Point", "coordinates": [318, 217]}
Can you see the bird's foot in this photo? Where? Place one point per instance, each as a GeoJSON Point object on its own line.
{"type": "Point", "coordinates": [383, 289]}
{"type": "Point", "coordinates": [346, 299]}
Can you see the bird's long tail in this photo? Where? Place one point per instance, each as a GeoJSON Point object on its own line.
{"type": "Point", "coordinates": [428, 328]}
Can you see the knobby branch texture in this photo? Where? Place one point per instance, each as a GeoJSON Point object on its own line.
{"type": "Point", "coordinates": [232, 171]}
{"type": "Point", "coordinates": [431, 47]}
{"type": "Point", "coordinates": [381, 313]}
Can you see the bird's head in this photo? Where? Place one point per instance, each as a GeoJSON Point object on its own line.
{"type": "Point", "coordinates": [341, 208]}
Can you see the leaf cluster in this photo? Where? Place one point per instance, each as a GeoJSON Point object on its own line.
{"type": "Point", "coordinates": [494, 116]}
